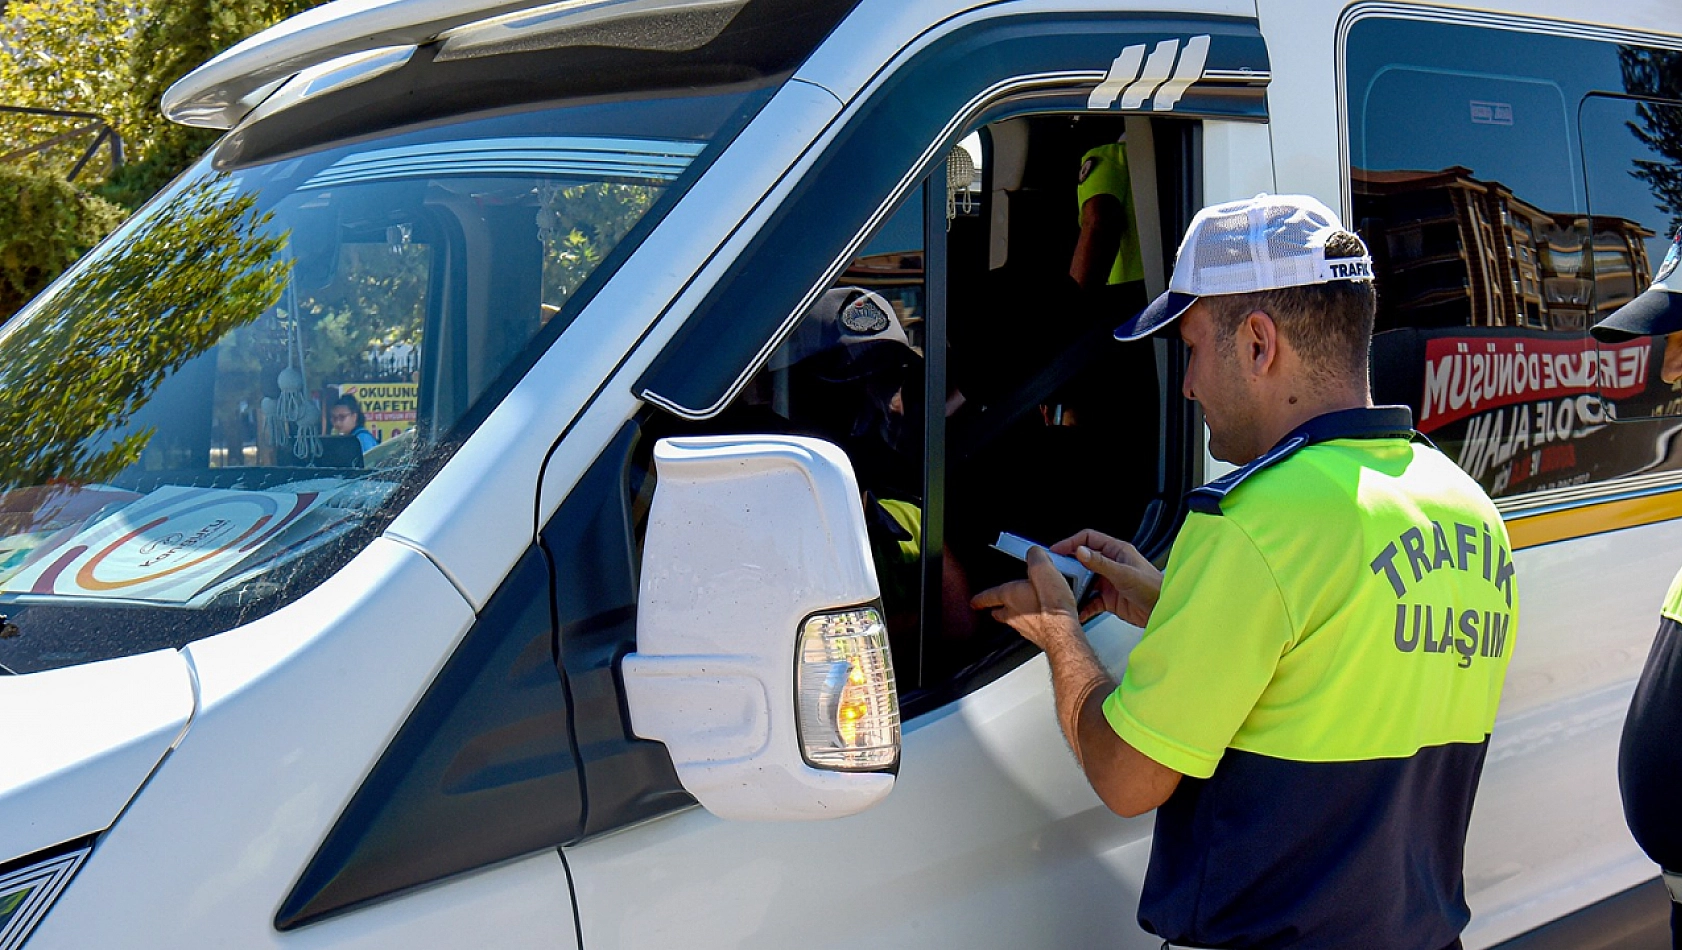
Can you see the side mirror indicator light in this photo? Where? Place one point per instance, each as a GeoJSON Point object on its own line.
{"type": "Point", "coordinates": [849, 710]}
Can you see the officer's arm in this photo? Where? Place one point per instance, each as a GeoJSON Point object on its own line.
{"type": "Point", "coordinates": [1128, 781]}
{"type": "Point", "coordinates": [1042, 609]}
{"type": "Point", "coordinates": [1103, 223]}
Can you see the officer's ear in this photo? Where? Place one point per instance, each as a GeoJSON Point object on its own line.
{"type": "Point", "coordinates": [1257, 343]}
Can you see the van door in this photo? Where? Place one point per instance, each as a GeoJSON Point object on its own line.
{"type": "Point", "coordinates": [913, 302]}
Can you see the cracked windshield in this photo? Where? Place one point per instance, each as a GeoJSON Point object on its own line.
{"type": "Point", "coordinates": [239, 389]}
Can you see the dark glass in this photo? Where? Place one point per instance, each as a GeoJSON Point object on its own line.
{"type": "Point", "coordinates": [1494, 255]}
{"type": "Point", "coordinates": [1632, 154]}
{"type": "Point", "coordinates": [854, 377]}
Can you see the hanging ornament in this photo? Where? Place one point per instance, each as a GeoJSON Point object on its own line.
{"type": "Point", "coordinates": [960, 173]}
{"type": "Point", "coordinates": [296, 415]}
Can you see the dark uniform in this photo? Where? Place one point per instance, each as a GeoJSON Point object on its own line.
{"type": "Point", "coordinates": [1650, 755]}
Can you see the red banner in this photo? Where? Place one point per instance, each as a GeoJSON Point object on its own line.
{"type": "Point", "coordinates": [1469, 375]}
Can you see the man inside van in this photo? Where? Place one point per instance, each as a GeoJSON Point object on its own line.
{"type": "Point", "coordinates": [1311, 701]}
{"type": "Point", "coordinates": [1650, 754]}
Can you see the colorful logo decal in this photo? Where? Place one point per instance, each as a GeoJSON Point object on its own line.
{"type": "Point", "coordinates": [165, 547]}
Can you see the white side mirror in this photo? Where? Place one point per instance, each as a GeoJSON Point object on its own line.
{"type": "Point", "coordinates": [761, 661]}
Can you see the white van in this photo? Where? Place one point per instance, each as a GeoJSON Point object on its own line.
{"type": "Point", "coordinates": [525, 645]}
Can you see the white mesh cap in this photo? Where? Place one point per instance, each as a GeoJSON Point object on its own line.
{"type": "Point", "coordinates": [1263, 243]}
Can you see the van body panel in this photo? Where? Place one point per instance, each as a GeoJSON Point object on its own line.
{"type": "Point", "coordinates": [522, 902]}
{"type": "Point", "coordinates": [992, 838]}
{"type": "Point", "coordinates": [295, 708]}
{"type": "Point", "coordinates": [1237, 162]}
{"type": "Point", "coordinates": [83, 739]}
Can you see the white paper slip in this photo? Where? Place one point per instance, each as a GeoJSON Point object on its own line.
{"type": "Point", "coordinates": [1017, 547]}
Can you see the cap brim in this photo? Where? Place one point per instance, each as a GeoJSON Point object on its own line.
{"type": "Point", "coordinates": [1162, 311]}
{"type": "Point", "coordinates": [1655, 313]}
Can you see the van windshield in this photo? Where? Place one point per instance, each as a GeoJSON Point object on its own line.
{"type": "Point", "coordinates": [238, 390]}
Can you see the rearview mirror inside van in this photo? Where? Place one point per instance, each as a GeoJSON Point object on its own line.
{"type": "Point", "coordinates": [762, 660]}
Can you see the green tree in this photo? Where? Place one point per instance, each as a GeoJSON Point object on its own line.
{"type": "Point", "coordinates": [96, 350]}
{"type": "Point", "coordinates": [376, 301]}
{"type": "Point", "coordinates": [1658, 73]}
{"type": "Point", "coordinates": [172, 39]}
{"type": "Point", "coordinates": [581, 224]}
{"type": "Point", "coordinates": [46, 223]}
{"type": "Point", "coordinates": [71, 55]}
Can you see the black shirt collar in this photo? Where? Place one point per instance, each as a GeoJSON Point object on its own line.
{"type": "Point", "coordinates": [1369, 422]}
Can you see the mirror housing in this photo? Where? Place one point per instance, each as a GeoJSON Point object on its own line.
{"type": "Point", "coordinates": [757, 574]}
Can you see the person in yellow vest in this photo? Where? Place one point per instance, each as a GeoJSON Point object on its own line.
{"type": "Point", "coordinates": [1310, 705]}
{"type": "Point", "coordinates": [1107, 252]}
{"type": "Point", "coordinates": [1650, 754]}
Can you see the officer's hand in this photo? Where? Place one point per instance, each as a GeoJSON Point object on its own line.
{"type": "Point", "coordinates": [1041, 608]}
{"type": "Point", "coordinates": [1127, 584]}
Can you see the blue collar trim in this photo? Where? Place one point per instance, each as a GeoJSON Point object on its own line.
{"type": "Point", "coordinates": [1379, 422]}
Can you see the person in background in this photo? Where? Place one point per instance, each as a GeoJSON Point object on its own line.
{"type": "Point", "coordinates": [347, 419]}
{"type": "Point", "coordinates": [1650, 754]}
{"type": "Point", "coordinates": [1107, 252]}
{"type": "Point", "coordinates": [1310, 705]}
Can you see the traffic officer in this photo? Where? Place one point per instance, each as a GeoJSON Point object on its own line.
{"type": "Point", "coordinates": [1107, 252]}
{"type": "Point", "coordinates": [1310, 704]}
{"type": "Point", "coordinates": [1650, 755]}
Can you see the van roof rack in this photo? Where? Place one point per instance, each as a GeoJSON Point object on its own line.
{"type": "Point", "coordinates": [220, 93]}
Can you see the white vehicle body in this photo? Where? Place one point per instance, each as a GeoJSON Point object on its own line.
{"type": "Point", "coordinates": [209, 778]}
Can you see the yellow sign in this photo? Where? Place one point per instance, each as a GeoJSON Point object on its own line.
{"type": "Point", "coordinates": [388, 407]}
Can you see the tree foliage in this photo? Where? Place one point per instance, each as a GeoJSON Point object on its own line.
{"type": "Point", "coordinates": [46, 223]}
{"type": "Point", "coordinates": [1658, 73]}
{"type": "Point", "coordinates": [581, 224]}
{"type": "Point", "coordinates": [376, 301]}
{"type": "Point", "coordinates": [95, 350]}
{"type": "Point", "coordinates": [70, 55]}
{"type": "Point", "coordinates": [172, 39]}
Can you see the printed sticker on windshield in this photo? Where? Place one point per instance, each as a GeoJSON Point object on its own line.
{"type": "Point", "coordinates": [165, 547]}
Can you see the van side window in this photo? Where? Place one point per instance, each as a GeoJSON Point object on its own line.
{"type": "Point", "coordinates": [850, 372]}
{"type": "Point", "coordinates": [1039, 394]}
{"type": "Point", "coordinates": [1466, 148]}
{"type": "Point", "coordinates": [966, 304]}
